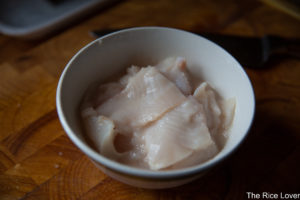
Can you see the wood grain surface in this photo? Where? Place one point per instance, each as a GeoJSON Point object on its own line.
{"type": "Point", "coordinates": [38, 161]}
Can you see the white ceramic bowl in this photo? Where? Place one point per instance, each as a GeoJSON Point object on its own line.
{"type": "Point", "coordinates": [143, 46]}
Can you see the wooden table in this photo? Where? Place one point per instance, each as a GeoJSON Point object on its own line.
{"type": "Point", "coordinates": [38, 161]}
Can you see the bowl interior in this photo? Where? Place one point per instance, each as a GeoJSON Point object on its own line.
{"type": "Point", "coordinates": [146, 46]}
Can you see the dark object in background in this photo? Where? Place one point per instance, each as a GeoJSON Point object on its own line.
{"type": "Point", "coordinates": [290, 7]}
{"type": "Point", "coordinates": [34, 19]}
{"type": "Point", "coordinates": [253, 52]}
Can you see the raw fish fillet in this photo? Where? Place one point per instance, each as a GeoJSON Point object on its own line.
{"type": "Point", "coordinates": [175, 69]}
{"type": "Point", "coordinates": [101, 131]}
{"type": "Point", "coordinates": [228, 108]}
{"type": "Point", "coordinates": [206, 96]}
{"type": "Point", "coordinates": [205, 154]}
{"type": "Point", "coordinates": [131, 71]}
{"type": "Point", "coordinates": [154, 118]}
{"type": "Point", "coordinates": [146, 97]}
{"type": "Point", "coordinates": [107, 91]}
{"type": "Point", "coordinates": [177, 135]}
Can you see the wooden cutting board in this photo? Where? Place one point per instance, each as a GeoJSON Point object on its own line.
{"type": "Point", "coordinates": [38, 161]}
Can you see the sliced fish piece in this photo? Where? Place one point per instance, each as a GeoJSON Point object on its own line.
{"type": "Point", "coordinates": [207, 97]}
{"type": "Point", "coordinates": [107, 91]}
{"type": "Point", "coordinates": [205, 154]}
{"type": "Point", "coordinates": [147, 96]}
{"type": "Point", "coordinates": [228, 110]}
{"type": "Point", "coordinates": [101, 132]}
{"type": "Point", "coordinates": [177, 135]}
{"type": "Point", "coordinates": [175, 69]}
{"type": "Point", "coordinates": [131, 71]}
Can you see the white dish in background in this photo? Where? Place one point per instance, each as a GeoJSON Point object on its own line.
{"type": "Point", "coordinates": [143, 46]}
{"type": "Point", "coordinates": [34, 19]}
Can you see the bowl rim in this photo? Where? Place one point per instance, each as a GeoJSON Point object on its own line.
{"type": "Point", "coordinates": [133, 171]}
